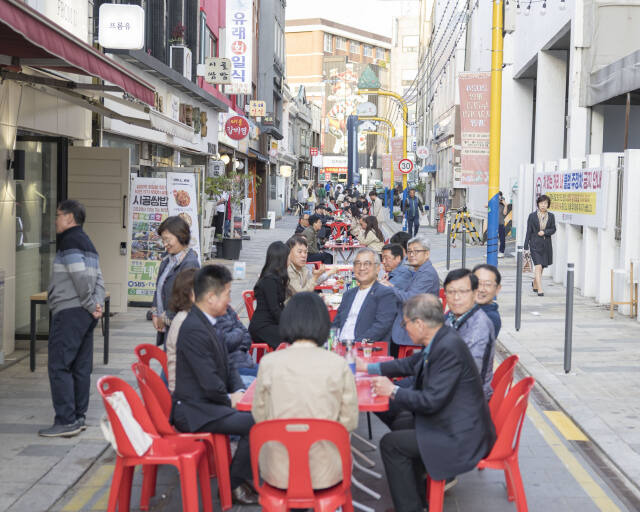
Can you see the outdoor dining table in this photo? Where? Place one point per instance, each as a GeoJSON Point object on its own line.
{"type": "Point", "coordinates": [345, 251]}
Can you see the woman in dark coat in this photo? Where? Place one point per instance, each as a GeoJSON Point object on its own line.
{"type": "Point", "coordinates": [541, 224]}
{"type": "Point", "coordinates": [176, 235]}
{"type": "Point", "coordinates": [270, 293]}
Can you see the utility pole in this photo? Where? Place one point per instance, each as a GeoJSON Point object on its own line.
{"type": "Point", "coordinates": [495, 126]}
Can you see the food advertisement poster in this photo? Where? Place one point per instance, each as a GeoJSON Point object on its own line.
{"type": "Point", "coordinates": [148, 207]}
{"type": "Point", "coordinates": [183, 201]}
{"type": "Point", "coordinates": [475, 108]}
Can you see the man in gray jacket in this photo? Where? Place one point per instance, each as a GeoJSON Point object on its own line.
{"type": "Point", "coordinates": [76, 296]}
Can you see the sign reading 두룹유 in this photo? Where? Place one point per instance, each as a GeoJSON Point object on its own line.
{"type": "Point", "coordinates": [239, 47]}
{"type": "Point", "coordinates": [577, 196]}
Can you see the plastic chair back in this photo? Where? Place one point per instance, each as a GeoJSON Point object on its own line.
{"type": "Point", "coordinates": [106, 387]}
{"type": "Point", "coordinates": [156, 397]}
{"type": "Point", "coordinates": [146, 352]}
{"type": "Point", "coordinates": [282, 346]}
{"type": "Point", "coordinates": [258, 350]}
{"type": "Point", "coordinates": [297, 436]}
{"type": "Point", "coordinates": [443, 298]}
{"type": "Point", "coordinates": [408, 350]}
{"type": "Point", "coordinates": [509, 363]}
{"type": "Point", "coordinates": [510, 420]}
{"type": "Point", "coordinates": [249, 302]}
{"type": "Point", "coordinates": [380, 348]}
{"type": "Point", "coordinates": [505, 379]}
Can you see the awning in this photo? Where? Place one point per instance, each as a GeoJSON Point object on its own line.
{"type": "Point", "coordinates": [259, 156]}
{"type": "Point", "coordinates": [30, 39]}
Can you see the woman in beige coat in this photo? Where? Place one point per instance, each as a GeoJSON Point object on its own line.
{"type": "Point", "coordinates": [370, 234]}
{"type": "Point", "coordinates": [304, 381]}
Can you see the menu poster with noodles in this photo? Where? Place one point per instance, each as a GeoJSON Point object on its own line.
{"type": "Point", "coordinates": [183, 201]}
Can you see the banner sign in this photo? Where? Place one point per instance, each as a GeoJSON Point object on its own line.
{"type": "Point", "coordinates": [475, 108]}
{"type": "Point", "coordinates": [386, 169]}
{"type": "Point", "coordinates": [183, 201]}
{"type": "Point", "coordinates": [240, 45]}
{"type": "Point", "coordinates": [577, 197]}
{"type": "Point", "coordinates": [396, 149]}
{"type": "Point", "coordinates": [148, 207]}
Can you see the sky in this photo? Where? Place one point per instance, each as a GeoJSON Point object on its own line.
{"type": "Point", "coordinates": [372, 15]}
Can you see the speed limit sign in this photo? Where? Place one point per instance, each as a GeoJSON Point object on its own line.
{"type": "Point", "coordinates": [405, 166]}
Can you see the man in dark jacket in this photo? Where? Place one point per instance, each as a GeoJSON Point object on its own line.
{"type": "Point", "coordinates": [445, 426]}
{"type": "Point", "coordinates": [76, 295]}
{"type": "Point", "coordinates": [488, 289]}
{"type": "Point", "coordinates": [208, 385]}
{"type": "Point", "coordinates": [238, 341]}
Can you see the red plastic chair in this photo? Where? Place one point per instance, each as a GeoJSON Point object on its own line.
{"type": "Point", "coordinates": [282, 346]}
{"type": "Point", "coordinates": [380, 348]}
{"type": "Point", "coordinates": [260, 349]}
{"type": "Point", "coordinates": [501, 384]}
{"type": "Point", "coordinates": [297, 436]}
{"type": "Point", "coordinates": [408, 350]}
{"type": "Point", "coordinates": [504, 454]}
{"type": "Point", "coordinates": [157, 401]}
{"type": "Point", "coordinates": [443, 298]}
{"type": "Point", "coordinates": [249, 302]}
{"type": "Point", "coordinates": [145, 352]}
{"type": "Point", "coordinates": [188, 456]}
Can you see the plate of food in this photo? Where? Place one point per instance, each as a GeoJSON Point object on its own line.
{"type": "Point", "coordinates": [181, 197]}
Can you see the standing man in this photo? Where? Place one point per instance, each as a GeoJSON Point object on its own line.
{"type": "Point", "coordinates": [376, 206]}
{"type": "Point", "coordinates": [76, 295]}
{"type": "Point", "coordinates": [412, 207]}
{"type": "Point", "coordinates": [218, 221]}
{"type": "Point", "coordinates": [502, 234]}
{"type": "Point", "coordinates": [488, 289]}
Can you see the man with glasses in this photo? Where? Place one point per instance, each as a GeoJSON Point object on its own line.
{"type": "Point", "coordinates": [424, 280]}
{"type": "Point", "coordinates": [367, 311]}
{"type": "Point", "coordinates": [488, 288]}
{"type": "Point", "coordinates": [471, 322]}
{"type": "Point", "coordinates": [303, 223]}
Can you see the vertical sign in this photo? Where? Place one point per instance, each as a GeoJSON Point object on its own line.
{"type": "Point", "coordinates": [396, 149]}
{"type": "Point", "coordinates": [148, 207]}
{"type": "Point", "coordinates": [386, 169]}
{"type": "Point", "coordinates": [475, 108]}
{"type": "Point", "coordinates": [183, 201]}
{"type": "Point", "coordinates": [240, 45]}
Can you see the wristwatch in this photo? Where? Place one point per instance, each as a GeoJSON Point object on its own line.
{"type": "Point", "coordinates": [394, 391]}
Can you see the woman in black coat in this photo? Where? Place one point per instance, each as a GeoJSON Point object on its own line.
{"type": "Point", "coordinates": [541, 224]}
{"type": "Point", "coordinates": [270, 293]}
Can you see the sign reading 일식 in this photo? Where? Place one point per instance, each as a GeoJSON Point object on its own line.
{"type": "Point", "coordinates": [239, 46]}
{"type": "Point", "coordinates": [577, 196]}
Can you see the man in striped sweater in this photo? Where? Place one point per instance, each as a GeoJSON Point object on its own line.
{"type": "Point", "coordinates": [76, 297]}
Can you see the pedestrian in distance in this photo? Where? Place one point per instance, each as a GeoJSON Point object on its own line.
{"type": "Point", "coordinates": [541, 225]}
{"type": "Point", "coordinates": [503, 209]}
{"type": "Point", "coordinates": [412, 207]}
{"type": "Point", "coordinates": [75, 297]}
{"type": "Point", "coordinates": [175, 235]}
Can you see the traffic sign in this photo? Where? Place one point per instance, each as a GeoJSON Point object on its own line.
{"type": "Point", "coordinates": [405, 166]}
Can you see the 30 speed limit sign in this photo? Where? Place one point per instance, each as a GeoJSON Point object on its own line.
{"type": "Point", "coordinates": [405, 166]}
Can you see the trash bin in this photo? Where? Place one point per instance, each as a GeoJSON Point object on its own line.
{"type": "Point", "coordinates": [266, 223]}
{"type": "Point", "coordinates": [231, 248]}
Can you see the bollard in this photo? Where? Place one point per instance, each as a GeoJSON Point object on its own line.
{"type": "Point", "coordinates": [519, 286]}
{"type": "Point", "coordinates": [568, 319]}
{"type": "Point", "coordinates": [464, 247]}
{"type": "Point", "coordinates": [448, 242]}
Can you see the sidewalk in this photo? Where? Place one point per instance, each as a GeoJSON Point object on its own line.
{"type": "Point", "coordinates": [35, 471]}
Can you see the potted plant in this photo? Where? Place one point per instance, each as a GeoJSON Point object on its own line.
{"type": "Point", "coordinates": [177, 35]}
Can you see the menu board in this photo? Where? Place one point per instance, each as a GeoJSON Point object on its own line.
{"type": "Point", "coordinates": [183, 201]}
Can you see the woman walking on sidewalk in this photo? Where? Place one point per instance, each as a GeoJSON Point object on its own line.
{"type": "Point", "coordinates": [541, 225]}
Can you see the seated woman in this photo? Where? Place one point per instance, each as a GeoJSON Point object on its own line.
{"type": "Point", "coordinates": [270, 292]}
{"type": "Point", "coordinates": [238, 341]}
{"type": "Point", "coordinates": [180, 302]}
{"type": "Point", "coordinates": [304, 381]}
{"type": "Point", "coordinates": [370, 234]}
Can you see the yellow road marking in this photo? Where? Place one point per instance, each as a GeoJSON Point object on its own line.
{"type": "Point", "coordinates": [90, 488]}
{"type": "Point", "coordinates": [103, 502]}
{"type": "Point", "coordinates": [593, 490]}
{"type": "Point", "coordinates": [566, 427]}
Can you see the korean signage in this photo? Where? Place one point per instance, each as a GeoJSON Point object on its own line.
{"type": "Point", "coordinates": [475, 108]}
{"type": "Point", "coordinates": [236, 128]}
{"type": "Point", "coordinates": [149, 206]}
{"type": "Point", "coordinates": [396, 149]}
{"type": "Point", "coordinates": [217, 70]}
{"type": "Point", "coordinates": [257, 108]}
{"type": "Point", "coordinates": [313, 151]}
{"type": "Point", "coordinates": [183, 202]}
{"type": "Point", "coordinates": [121, 26]}
{"type": "Point", "coordinates": [386, 169]}
{"type": "Point", "coordinates": [239, 46]}
{"type": "Point", "coordinates": [577, 197]}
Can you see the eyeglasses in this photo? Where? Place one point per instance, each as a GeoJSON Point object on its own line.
{"type": "Point", "coordinates": [405, 322]}
{"type": "Point", "coordinates": [363, 264]}
{"type": "Point", "coordinates": [415, 251]}
{"type": "Point", "coordinates": [457, 293]}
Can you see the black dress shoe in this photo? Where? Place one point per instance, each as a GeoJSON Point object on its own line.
{"type": "Point", "coordinates": [243, 495]}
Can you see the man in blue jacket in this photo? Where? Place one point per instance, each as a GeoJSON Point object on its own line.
{"type": "Point", "coordinates": [367, 311]}
{"type": "Point", "coordinates": [75, 298]}
{"type": "Point", "coordinates": [444, 424]}
{"type": "Point", "coordinates": [488, 289]}
{"type": "Point", "coordinates": [412, 206]}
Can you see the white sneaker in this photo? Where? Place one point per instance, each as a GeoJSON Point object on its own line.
{"type": "Point", "coordinates": [500, 255]}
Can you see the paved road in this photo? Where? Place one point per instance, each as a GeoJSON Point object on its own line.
{"type": "Point", "coordinates": [562, 468]}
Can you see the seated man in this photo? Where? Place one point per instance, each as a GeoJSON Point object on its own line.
{"type": "Point", "coordinates": [472, 324]}
{"type": "Point", "coordinates": [424, 280]}
{"type": "Point", "coordinates": [208, 385]}
{"type": "Point", "coordinates": [445, 426]}
{"type": "Point", "coordinates": [488, 289]}
{"type": "Point", "coordinates": [313, 248]}
{"type": "Point", "coordinates": [398, 274]}
{"type": "Point", "coordinates": [303, 223]}
{"type": "Point", "coordinates": [402, 238]}
{"type": "Point", "coordinates": [238, 341]}
{"type": "Point", "coordinates": [301, 277]}
{"type": "Point", "coordinates": [366, 312]}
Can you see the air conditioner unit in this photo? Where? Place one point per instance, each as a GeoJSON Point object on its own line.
{"type": "Point", "coordinates": [180, 60]}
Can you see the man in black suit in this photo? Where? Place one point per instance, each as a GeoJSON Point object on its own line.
{"type": "Point", "coordinates": [443, 424]}
{"type": "Point", "coordinates": [208, 385]}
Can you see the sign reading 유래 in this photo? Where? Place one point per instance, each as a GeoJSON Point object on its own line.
{"type": "Point", "coordinates": [239, 47]}
{"type": "Point", "coordinates": [577, 196]}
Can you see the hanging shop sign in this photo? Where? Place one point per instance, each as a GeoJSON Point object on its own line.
{"type": "Point", "coordinates": [120, 26]}
{"type": "Point", "coordinates": [239, 46]}
{"type": "Point", "coordinates": [313, 151]}
{"type": "Point", "coordinates": [577, 197]}
{"type": "Point", "coordinates": [183, 202]}
{"type": "Point", "coordinates": [217, 70]}
{"type": "Point", "coordinates": [475, 109]}
{"type": "Point", "coordinates": [236, 128]}
{"type": "Point", "coordinates": [367, 109]}
{"type": "Point", "coordinates": [422, 152]}
{"type": "Point", "coordinates": [257, 108]}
